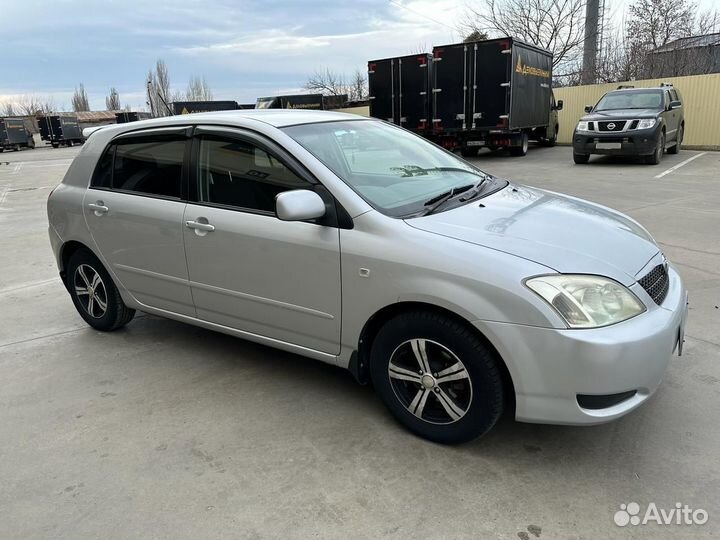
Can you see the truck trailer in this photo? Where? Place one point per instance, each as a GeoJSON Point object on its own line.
{"type": "Point", "coordinates": [400, 90]}
{"type": "Point", "coordinates": [130, 116]}
{"type": "Point", "coordinates": [60, 129]}
{"type": "Point", "coordinates": [495, 93]}
{"type": "Point", "coordinates": [14, 135]}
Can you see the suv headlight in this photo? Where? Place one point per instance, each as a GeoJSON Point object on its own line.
{"type": "Point", "coordinates": [646, 123]}
{"type": "Point", "coordinates": [582, 126]}
{"type": "Point", "coordinates": [587, 301]}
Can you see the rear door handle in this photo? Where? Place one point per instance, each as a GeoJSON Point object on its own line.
{"type": "Point", "coordinates": [200, 226]}
{"type": "Point", "coordinates": [98, 208]}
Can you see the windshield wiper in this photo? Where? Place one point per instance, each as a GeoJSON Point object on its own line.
{"type": "Point", "coordinates": [414, 170]}
{"type": "Point", "coordinates": [437, 201]}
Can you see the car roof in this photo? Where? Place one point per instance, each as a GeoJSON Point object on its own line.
{"type": "Point", "coordinates": [646, 89]}
{"type": "Point", "coordinates": [274, 117]}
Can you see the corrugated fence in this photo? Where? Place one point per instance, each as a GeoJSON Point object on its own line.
{"type": "Point", "coordinates": [701, 103]}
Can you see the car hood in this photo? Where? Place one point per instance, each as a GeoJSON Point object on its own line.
{"type": "Point", "coordinates": [620, 113]}
{"type": "Point", "coordinates": [565, 234]}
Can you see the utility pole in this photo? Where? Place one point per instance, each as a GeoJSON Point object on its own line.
{"type": "Point", "coordinates": [590, 46]}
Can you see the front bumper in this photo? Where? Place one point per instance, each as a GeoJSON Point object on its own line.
{"type": "Point", "coordinates": [551, 367]}
{"type": "Point", "coordinates": [636, 142]}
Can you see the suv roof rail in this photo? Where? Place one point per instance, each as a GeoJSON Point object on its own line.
{"type": "Point", "coordinates": [666, 84]}
{"type": "Point", "coordinates": [625, 86]}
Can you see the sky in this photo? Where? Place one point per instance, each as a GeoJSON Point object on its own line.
{"type": "Point", "coordinates": [244, 48]}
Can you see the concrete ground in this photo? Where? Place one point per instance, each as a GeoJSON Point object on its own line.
{"type": "Point", "coordinates": [163, 430]}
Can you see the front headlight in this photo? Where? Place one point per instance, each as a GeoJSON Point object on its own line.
{"type": "Point", "coordinates": [646, 123]}
{"type": "Point", "coordinates": [587, 301]}
{"type": "Point", "coordinates": [582, 126]}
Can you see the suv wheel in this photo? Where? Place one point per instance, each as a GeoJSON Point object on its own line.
{"type": "Point", "coordinates": [581, 159]}
{"type": "Point", "coordinates": [676, 147]}
{"type": "Point", "coordinates": [437, 378]}
{"type": "Point", "coordinates": [94, 294]}
{"type": "Point", "coordinates": [657, 155]}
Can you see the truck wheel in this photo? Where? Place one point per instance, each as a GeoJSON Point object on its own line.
{"type": "Point", "coordinates": [69, 143]}
{"type": "Point", "coordinates": [581, 159]}
{"type": "Point", "coordinates": [54, 145]}
{"type": "Point", "coordinates": [523, 148]}
{"type": "Point", "coordinates": [470, 151]}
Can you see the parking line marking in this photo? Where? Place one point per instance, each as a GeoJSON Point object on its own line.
{"type": "Point", "coordinates": [682, 163]}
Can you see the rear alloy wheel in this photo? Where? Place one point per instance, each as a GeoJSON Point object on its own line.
{"type": "Point", "coordinates": [675, 149]}
{"type": "Point", "coordinates": [657, 155]}
{"type": "Point", "coordinates": [436, 377]}
{"type": "Point", "coordinates": [94, 294]}
{"type": "Point", "coordinates": [580, 159]}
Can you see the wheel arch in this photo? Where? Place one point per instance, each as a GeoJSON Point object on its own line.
{"type": "Point", "coordinates": [360, 360]}
{"type": "Point", "coordinates": [67, 250]}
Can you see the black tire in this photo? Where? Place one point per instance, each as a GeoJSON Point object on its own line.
{"type": "Point", "coordinates": [81, 270]}
{"type": "Point", "coordinates": [523, 148]}
{"type": "Point", "coordinates": [656, 157]}
{"type": "Point", "coordinates": [54, 145]}
{"type": "Point", "coordinates": [476, 391]}
{"type": "Point", "coordinates": [580, 159]}
{"type": "Point", "coordinates": [470, 151]}
{"type": "Point", "coordinates": [675, 149]}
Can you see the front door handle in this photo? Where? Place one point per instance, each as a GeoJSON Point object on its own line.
{"type": "Point", "coordinates": [199, 226]}
{"type": "Point", "coordinates": [99, 208]}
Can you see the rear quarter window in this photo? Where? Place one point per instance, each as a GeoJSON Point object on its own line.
{"type": "Point", "coordinates": [102, 178]}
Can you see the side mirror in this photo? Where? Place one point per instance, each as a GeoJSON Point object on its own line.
{"type": "Point", "coordinates": [299, 205]}
{"type": "Point", "coordinates": [674, 105]}
{"type": "Point", "coordinates": [559, 105]}
{"type": "Point", "coordinates": [588, 108]}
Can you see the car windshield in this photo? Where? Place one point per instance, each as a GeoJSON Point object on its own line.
{"type": "Point", "coordinates": [398, 173]}
{"type": "Point", "coordinates": [630, 100]}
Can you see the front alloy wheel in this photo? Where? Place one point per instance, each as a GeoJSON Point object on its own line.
{"type": "Point", "coordinates": [438, 377]}
{"type": "Point", "coordinates": [430, 381]}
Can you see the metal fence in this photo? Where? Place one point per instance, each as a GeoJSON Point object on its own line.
{"type": "Point", "coordinates": [701, 104]}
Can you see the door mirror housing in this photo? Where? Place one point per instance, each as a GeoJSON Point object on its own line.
{"type": "Point", "coordinates": [299, 205]}
{"type": "Point", "coordinates": [559, 105]}
{"type": "Point", "coordinates": [588, 108]}
{"type": "Point", "coordinates": [674, 105]}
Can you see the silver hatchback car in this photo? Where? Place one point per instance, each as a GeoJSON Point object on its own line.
{"type": "Point", "coordinates": [355, 242]}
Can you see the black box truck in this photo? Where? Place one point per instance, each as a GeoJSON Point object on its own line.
{"type": "Point", "coordinates": [14, 135]}
{"type": "Point", "coordinates": [60, 129]}
{"type": "Point", "coordinates": [495, 93]}
{"type": "Point", "coordinates": [316, 102]}
{"type": "Point", "coordinates": [189, 107]}
{"type": "Point", "coordinates": [400, 91]}
{"type": "Point", "coordinates": [130, 116]}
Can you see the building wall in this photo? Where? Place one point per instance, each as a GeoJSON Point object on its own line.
{"type": "Point", "coordinates": [700, 101]}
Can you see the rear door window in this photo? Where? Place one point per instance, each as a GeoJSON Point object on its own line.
{"type": "Point", "coordinates": [150, 166]}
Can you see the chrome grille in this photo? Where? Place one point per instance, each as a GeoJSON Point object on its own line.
{"type": "Point", "coordinates": [617, 125]}
{"type": "Point", "coordinates": [656, 282]}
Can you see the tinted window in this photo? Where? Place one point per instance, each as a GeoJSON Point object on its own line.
{"type": "Point", "coordinates": [673, 95]}
{"type": "Point", "coordinates": [238, 173]}
{"type": "Point", "coordinates": [151, 166]}
{"type": "Point", "coordinates": [103, 173]}
{"type": "Point", "coordinates": [651, 99]}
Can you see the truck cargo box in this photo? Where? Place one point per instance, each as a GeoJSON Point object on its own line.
{"type": "Point", "coordinates": [318, 102]}
{"type": "Point", "coordinates": [189, 107]}
{"type": "Point", "coordinates": [130, 116]}
{"type": "Point", "coordinates": [400, 90]}
{"type": "Point", "coordinates": [500, 84]}
{"type": "Point", "coordinates": [60, 129]}
{"type": "Point", "coordinates": [14, 134]}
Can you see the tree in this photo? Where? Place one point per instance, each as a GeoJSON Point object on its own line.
{"type": "Point", "coordinates": [198, 90]}
{"type": "Point", "coordinates": [332, 83]}
{"type": "Point", "coordinates": [80, 100]}
{"type": "Point", "coordinates": [158, 89]}
{"type": "Point", "coordinates": [112, 101]}
{"type": "Point", "coordinates": [553, 25]}
{"type": "Point", "coordinates": [8, 109]}
{"type": "Point", "coordinates": [475, 35]}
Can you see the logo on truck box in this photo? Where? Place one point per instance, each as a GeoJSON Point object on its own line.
{"type": "Point", "coordinates": [530, 70]}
